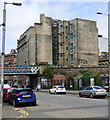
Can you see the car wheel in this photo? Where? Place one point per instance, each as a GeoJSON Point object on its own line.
{"type": "Point", "coordinates": [4, 100]}
{"type": "Point", "coordinates": [14, 103]}
{"type": "Point", "coordinates": [91, 95]}
{"type": "Point", "coordinates": [55, 92]}
{"type": "Point", "coordinates": [50, 92]}
{"type": "Point", "coordinates": [34, 103]}
{"type": "Point", "coordinates": [80, 94]}
{"type": "Point", "coordinates": [9, 102]}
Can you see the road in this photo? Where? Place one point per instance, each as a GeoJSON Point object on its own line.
{"type": "Point", "coordinates": [62, 106]}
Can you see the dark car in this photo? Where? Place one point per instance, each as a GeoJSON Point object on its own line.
{"type": "Point", "coordinates": [22, 96]}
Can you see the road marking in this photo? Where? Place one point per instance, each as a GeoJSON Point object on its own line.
{"type": "Point", "coordinates": [24, 113]}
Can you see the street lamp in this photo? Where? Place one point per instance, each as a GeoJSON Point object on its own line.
{"type": "Point", "coordinates": [3, 45]}
{"type": "Point", "coordinates": [100, 13]}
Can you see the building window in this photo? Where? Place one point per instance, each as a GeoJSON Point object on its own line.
{"type": "Point", "coordinates": [66, 27]}
{"type": "Point", "coordinates": [71, 46]}
{"type": "Point", "coordinates": [105, 65]}
{"type": "Point", "coordinates": [66, 37]}
{"type": "Point", "coordinates": [71, 26]}
{"type": "Point", "coordinates": [61, 26]}
{"type": "Point", "coordinates": [67, 60]}
{"type": "Point", "coordinates": [74, 36]}
{"type": "Point", "coordinates": [61, 35]}
{"type": "Point", "coordinates": [61, 44]}
{"type": "Point", "coordinates": [54, 22]}
{"type": "Point", "coordinates": [61, 56]}
{"type": "Point", "coordinates": [67, 48]}
{"type": "Point", "coordinates": [71, 58]}
{"type": "Point", "coordinates": [54, 28]}
{"type": "Point", "coordinates": [71, 35]}
{"type": "Point", "coordinates": [99, 65]}
{"type": "Point", "coordinates": [102, 65]}
{"type": "Point", "coordinates": [55, 45]}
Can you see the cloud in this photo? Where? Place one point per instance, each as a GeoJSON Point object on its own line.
{"type": "Point", "coordinates": [21, 18]}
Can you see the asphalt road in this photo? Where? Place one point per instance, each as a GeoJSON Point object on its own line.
{"type": "Point", "coordinates": [62, 106]}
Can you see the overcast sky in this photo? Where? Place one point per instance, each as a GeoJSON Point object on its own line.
{"type": "Point", "coordinates": [19, 18]}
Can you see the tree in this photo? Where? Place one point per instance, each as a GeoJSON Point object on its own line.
{"type": "Point", "coordinates": [69, 77]}
{"type": "Point", "coordinates": [48, 72]}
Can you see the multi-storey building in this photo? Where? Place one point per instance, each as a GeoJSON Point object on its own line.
{"type": "Point", "coordinates": [104, 59]}
{"type": "Point", "coordinates": [64, 43]}
{"type": "Point", "coordinates": [9, 61]}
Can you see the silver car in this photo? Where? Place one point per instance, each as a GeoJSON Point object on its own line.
{"type": "Point", "coordinates": [93, 91]}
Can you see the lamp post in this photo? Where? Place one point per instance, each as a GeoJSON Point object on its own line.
{"type": "Point", "coordinates": [3, 45]}
{"type": "Point", "coordinates": [108, 37]}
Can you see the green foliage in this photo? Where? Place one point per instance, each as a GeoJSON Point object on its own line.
{"type": "Point", "coordinates": [69, 76]}
{"type": "Point", "coordinates": [48, 73]}
{"type": "Point", "coordinates": [86, 79]}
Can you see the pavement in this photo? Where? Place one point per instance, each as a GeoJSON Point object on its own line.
{"type": "Point", "coordinates": [74, 92]}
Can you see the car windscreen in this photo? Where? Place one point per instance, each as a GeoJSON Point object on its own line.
{"type": "Point", "coordinates": [97, 87]}
{"type": "Point", "coordinates": [9, 90]}
{"type": "Point", "coordinates": [60, 87]}
{"type": "Point", "coordinates": [24, 92]}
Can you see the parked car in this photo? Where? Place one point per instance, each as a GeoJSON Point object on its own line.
{"type": "Point", "coordinates": [93, 91]}
{"type": "Point", "coordinates": [22, 96]}
{"type": "Point", "coordinates": [57, 89]}
{"type": "Point", "coordinates": [5, 86]}
{"type": "Point", "coordinates": [6, 93]}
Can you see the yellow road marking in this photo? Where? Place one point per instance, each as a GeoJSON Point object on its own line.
{"type": "Point", "coordinates": [24, 113]}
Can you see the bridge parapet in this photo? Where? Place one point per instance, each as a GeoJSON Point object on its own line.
{"type": "Point", "coordinates": [21, 70]}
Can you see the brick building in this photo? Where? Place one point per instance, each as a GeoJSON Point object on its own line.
{"type": "Point", "coordinates": [9, 61]}
{"type": "Point", "coordinates": [57, 79]}
{"type": "Point", "coordinates": [63, 43]}
{"type": "Point", "coordinates": [104, 59]}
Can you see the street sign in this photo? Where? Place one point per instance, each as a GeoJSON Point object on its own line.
{"type": "Point", "coordinates": [91, 81]}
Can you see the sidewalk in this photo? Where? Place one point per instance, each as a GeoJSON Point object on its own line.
{"type": "Point", "coordinates": [74, 92]}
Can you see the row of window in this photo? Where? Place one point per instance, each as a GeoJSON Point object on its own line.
{"type": "Point", "coordinates": [61, 36]}
{"type": "Point", "coordinates": [71, 58]}
{"type": "Point", "coordinates": [72, 26]}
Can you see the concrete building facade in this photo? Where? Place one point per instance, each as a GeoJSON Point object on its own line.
{"type": "Point", "coordinates": [64, 43]}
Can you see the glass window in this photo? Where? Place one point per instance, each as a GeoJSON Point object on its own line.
{"type": "Point", "coordinates": [86, 88]}
{"type": "Point", "coordinates": [90, 88]}
{"type": "Point", "coordinates": [66, 59]}
{"type": "Point", "coordinates": [71, 59]}
{"type": "Point", "coordinates": [61, 35]}
{"type": "Point", "coordinates": [66, 48]}
{"type": "Point", "coordinates": [66, 37]}
{"type": "Point", "coordinates": [66, 27]}
{"type": "Point", "coordinates": [71, 46]}
{"type": "Point", "coordinates": [61, 26]}
{"type": "Point", "coordinates": [61, 44]}
{"type": "Point", "coordinates": [97, 87]}
{"type": "Point", "coordinates": [25, 92]}
{"type": "Point", "coordinates": [55, 22]}
{"type": "Point", "coordinates": [54, 28]}
{"type": "Point", "coordinates": [61, 55]}
{"type": "Point", "coordinates": [74, 36]}
{"type": "Point", "coordinates": [71, 35]}
{"type": "Point", "coordinates": [71, 26]}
